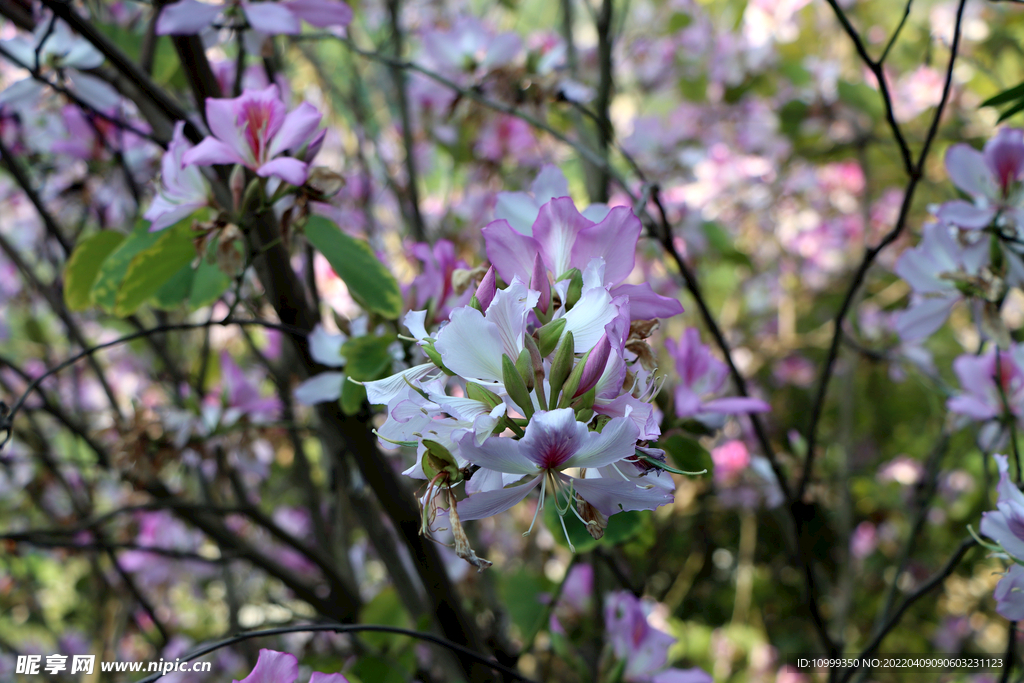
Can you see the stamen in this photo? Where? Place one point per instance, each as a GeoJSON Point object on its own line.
{"type": "Point", "coordinates": [540, 506]}
{"type": "Point", "coordinates": [615, 466]}
{"type": "Point", "coordinates": [565, 531]}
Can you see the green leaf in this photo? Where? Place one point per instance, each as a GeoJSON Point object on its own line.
{"type": "Point", "coordinates": [723, 243]}
{"type": "Point", "coordinates": [861, 96]}
{"type": "Point", "coordinates": [367, 358]}
{"type": "Point", "coordinates": [1012, 95]}
{"type": "Point", "coordinates": [519, 592]}
{"type": "Point", "coordinates": [175, 291]}
{"type": "Point", "coordinates": [207, 286]}
{"type": "Point", "coordinates": [1011, 111]}
{"type": "Point", "coordinates": [84, 267]}
{"type": "Point", "coordinates": [384, 609]}
{"type": "Point", "coordinates": [369, 282]}
{"type": "Point", "coordinates": [152, 268]}
{"type": "Point", "coordinates": [687, 454]}
{"type": "Point", "coordinates": [115, 267]}
{"type": "Point", "coordinates": [352, 397]}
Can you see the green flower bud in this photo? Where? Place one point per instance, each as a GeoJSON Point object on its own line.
{"type": "Point", "coordinates": [515, 386]}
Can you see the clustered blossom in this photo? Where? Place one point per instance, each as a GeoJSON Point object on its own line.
{"type": "Point", "coordinates": [972, 250]}
{"type": "Point", "coordinates": [537, 383]}
{"type": "Point", "coordinates": [992, 386]}
{"type": "Point", "coordinates": [281, 667]}
{"type": "Point", "coordinates": [1005, 526]}
{"type": "Point", "coordinates": [642, 647]}
{"type": "Point", "coordinates": [255, 131]}
{"type": "Point", "coordinates": [187, 17]}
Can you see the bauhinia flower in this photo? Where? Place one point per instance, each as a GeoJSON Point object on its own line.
{"type": "Point", "coordinates": [188, 17]}
{"type": "Point", "coordinates": [992, 179]}
{"type": "Point", "coordinates": [281, 667]}
{"type": "Point", "coordinates": [701, 376]}
{"type": "Point", "coordinates": [182, 188]}
{"type": "Point", "coordinates": [554, 442]}
{"type": "Point", "coordinates": [1005, 525]}
{"type": "Point", "coordinates": [255, 130]}
{"type": "Point", "coordinates": [643, 648]}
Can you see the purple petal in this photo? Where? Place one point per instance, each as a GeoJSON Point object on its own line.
{"type": "Point", "coordinates": [556, 228]}
{"type": "Point", "coordinates": [325, 348]}
{"type": "Point", "coordinates": [186, 17]}
{"type": "Point", "coordinates": [211, 151]}
{"type": "Point", "coordinates": [548, 184]}
{"type": "Point", "coordinates": [271, 18]}
{"type": "Point", "coordinates": [273, 667]}
{"type": "Point", "coordinates": [613, 239]}
{"type": "Point", "coordinates": [490, 503]}
{"type": "Point", "coordinates": [498, 453]}
{"type": "Point", "coordinates": [694, 675]}
{"type": "Point", "coordinates": [923, 318]}
{"type": "Point", "coordinates": [292, 171]}
{"type": "Point", "coordinates": [737, 404]}
{"type": "Point", "coordinates": [518, 208]}
{"type": "Point", "coordinates": [645, 303]}
{"type": "Point", "coordinates": [298, 127]}
{"type": "Point", "coordinates": [319, 677]}
{"type": "Point", "coordinates": [968, 171]}
{"type": "Point", "coordinates": [610, 496]}
{"type": "Point", "coordinates": [995, 526]}
{"type": "Point", "coordinates": [321, 13]}
{"type": "Point", "coordinates": [966, 215]}
{"type": "Point", "coordinates": [613, 443]}
{"type": "Point", "coordinates": [511, 253]}
{"type": "Point", "coordinates": [320, 388]}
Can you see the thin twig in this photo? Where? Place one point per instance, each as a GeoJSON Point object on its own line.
{"type": "Point", "coordinates": [916, 173]}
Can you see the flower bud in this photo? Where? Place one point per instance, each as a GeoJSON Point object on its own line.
{"type": "Point", "coordinates": [539, 283]}
{"type": "Point", "coordinates": [594, 367]}
{"type": "Point", "coordinates": [482, 394]}
{"type": "Point", "coordinates": [575, 289]}
{"type": "Point", "coordinates": [524, 366]}
{"type": "Point", "coordinates": [561, 367]}
{"type": "Point", "coordinates": [515, 386]}
{"type": "Point", "coordinates": [236, 182]}
{"type": "Point", "coordinates": [486, 289]}
{"type": "Point", "coordinates": [438, 459]}
{"type": "Point", "coordinates": [548, 336]}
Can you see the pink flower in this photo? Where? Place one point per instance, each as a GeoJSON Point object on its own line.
{"type": "Point", "coordinates": [281, 667]}
{"type": "Point", "coordinates": [188, 17]}
{"type": "Point", "coordinates": [702, 375]}
{"type": "Point", "coordinates": [555, 441]}
{"type": "Point", "coordinates": [254, 130]}
{"type": "Point", "coordinates": [1009, 594]}
{"type": "Point", "coordinates": [981, 399]}
{"type": "Point", "coordinates": [643, 647]}
{"type": "Point", "coordinates": [730, 459]}
{"type": "Point", "coordinates": [1006, 524]}
{"type": "Point", "coordinates": [991, 177]}
{"type": "Point", "coordinates": [182, 188]}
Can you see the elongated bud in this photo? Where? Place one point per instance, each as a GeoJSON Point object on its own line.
{"type": "Point", "coordinates": [482, 394]}
{"type": "Point", "coordinates": [575, 289]}
{"type": "Point", "coordinates": [537, 365]}
{"type": "Point", "coordinates": [594, 367]}
{"type": "Point", "coordinates": [539, 282]}
{"type": "Point", "coordinates": [486, 289]}
{"type": "Point", "coordinates": [515, 386]}
{"type": "Point", "coordinates": [524, 366]}
{"type": "Point", "coordinates": [573, 382]}
{"type": "Point", "coordinates": [548, 336]}
{"type": "Point", "coordinates": [561, 366]}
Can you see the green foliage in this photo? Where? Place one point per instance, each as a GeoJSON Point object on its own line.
{"type": "Point", "coordinates": [1014, 97]}
{"type": "Point", "coordinates": [386, 610]}
{"type": "Point", "coordinates": [687, 454]}
{"type": "Point", "coordinates": [520, 591]}
{"type": "Point", "coordinates": [369, 282]}
{"type": "Point", "coordinates": [152, 268]}
{"type": "Point", "coordinates": [83, 267]}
